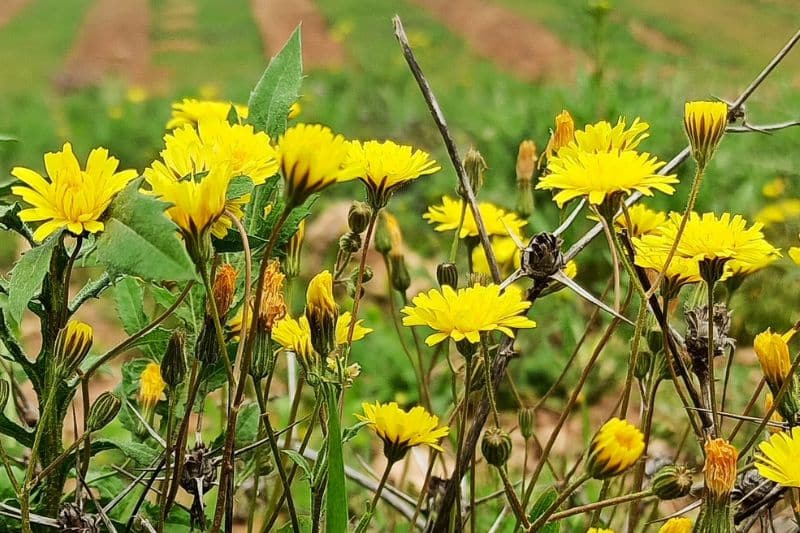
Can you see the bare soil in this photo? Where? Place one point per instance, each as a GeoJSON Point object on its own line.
{"type": "Point", "coordinates": [655, 40]}
{"type": "Point", "coordinates": [10, 9]}
{"type": "Point", "coordinates": [276, 19]}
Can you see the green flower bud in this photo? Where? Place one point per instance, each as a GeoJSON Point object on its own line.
{"type": "Point", "coordinates": [671, 482]}
{"type": "Point", "coordinates": [72, 344]}
{"type": "Point", "coordinates": [447, 274]}
{"type": "Point", "coordinates": [207, 348]}
{"type": "Point", "coordinates": [173, 366]}
{"type": "Point", "coordinates": [401, 280]}
{"type": "Point", "coordinates": [643, 360]}
{"type": "Point", "coordinates": [527, 419]}
{"type": "Point", "coordinates": [358, 217]}
{"type": "Point", "coordinates": [475, 167]}
{"type": "Point", "coordinates": [263, 355]}
{"type": "Point", "coordinates": [103, 411]}
{"type": "Point", "coordinates": [383, 234]}
{"type": "Point", "coordinates": [655, 339]}
{"type": "Point", "coordinates": [496, 447]}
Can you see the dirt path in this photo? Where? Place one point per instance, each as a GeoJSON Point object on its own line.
{"type": "Point", "coordinates": [10, 9]}
{"type": "Point", "coordinates": [515, 43]}
{"type": "Point", "coordinates": [114, 39]}
{"type": "Point", "coordinates": [277, 18]}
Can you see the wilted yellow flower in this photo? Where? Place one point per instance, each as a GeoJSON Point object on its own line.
{"type": "Point", "coordinates": [679, 524]}
{"type": "Point", "coordinates": [224, 288]}
{"type": "Point", "coordinates": [273, 303]}
{"type": "Point", "coordinates": [562, 135]}
{"type": "Point", "coordinates": [526, 160]}
{"type": "Point", "coordinates": [779, 212]}
{"type": "Point", "coordinates": [465, 313]}
{"type": "Point", "coordinates": [773, 355]}
{"type": "Point", "coordinates": [400, 430]}
{"type": "Point", "coordinates": [447, 215]}
{"type": "Point", "coordinates": [720, 467]}
{"type": "Point", "coordinates": [599, 175]}
{"type": "Point", "coordinates": [614, 449]}
{"type": "Point", "coordinates": [385, 166]}
{"type": "Point", "coordinates": [72, 198]}
{"type": "Point", "coordinates": [643, 220]}
{"type": "Point", "coordinates": [777, 460]}
{"type": "Point", "coordinates": [151, 387]}
{"type": "Point", "coordinates": [705, 123]}
{"type": "Point", "coordinates": [311, 158]}
{"type": "Point", "coordinates": [191, 111]}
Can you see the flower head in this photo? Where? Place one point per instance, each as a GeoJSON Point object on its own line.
{"type": "Point", "coordinates": [73, 342]}
{"type": "Point", "coordinates": [295, 336]}
{"type": "Point", "coordinates": [603, 137]}
{"type": "Point", "coordinates": [311, 158]}
{"type": "Point", "coordinates": [249, 153]}
{"type": "Point", "coordinates": [191, 111]}
{"type": "Point", "coordinates": [614, 448]}
{"type": "Point", "coordinates": [72, 198]}
{"type": "Point", "coordinates": [679, 524]}
{"type": "Point", "coordinates": [447, 215]}
{"type": "Point", "coordinates": [151, 387]}
{"type": "Point", "coordinates": [772, 350]}
{"type": "Point", "coordinates": [400, 430]}
{"type": "Point", "coordinates": [322, 312]}
{"type": "Point", "coordinates": [705, 124]}
{"type": "Point", "coordinates": [720, 467]}
{"type": "Point", "coordinates": [465, 313]}
{"type": "Point", "coordinates": [777, 458]}
{"type": "Point", "coordinates": [643, 221]}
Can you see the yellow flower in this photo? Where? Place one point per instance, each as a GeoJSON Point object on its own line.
{"type": "Point", "coordinates": [599, 530]}
{"type": "Point", "coordinates": [506, 252]}
{"type": "Point", "coordinates": [720, 467]}
{"type": "Point", "coordinates": [294, 110]}
{"type": "Point", "coordinates": [400, 430]}
{"type": "Point", "coordinates": [248, 152]}
{"type": "Point", "coordinates": [779, 212]}
{"type": "Point", "coordinates": [343, 327]}
{"type": "Point", "coordinates": [678, 524]}
{"type": "Point", "coordinates": [151, 387]}
{"type": "Point", "coordinates": [571, 269]}
{"type": "Point", "coordinates": [295, 336]}
{"type": "Point", "coordinates": [447, 215]}
{"type": "Point", "coordinates": [322, 312]}
{"type": "Point", "coordinates": [311, 158]}
{"type": "Point", "coordinates": [643, 221]}
{"type": "Point", "coordinates": [705, 123]}
{"type": "Point", "coordinates": [73, 342]}
{"type": "Point", "coordinates": [468, 312]}
{"type": "Point", "coordinates": [777, 460]}
{"type": "Point", "coordinates": [776, 417]}
{"type": "Point", "coordinates": [598, 175]}
{"type": "Point", "coordinates": [774, 188]}
{"type": "Point", "coordinates": [772, 350]}
{"type": "Point", "coordinates": [615, 447]}
{"type": "Point", "coordinates": [383, 167]}
{"type": "Point", "coordinates": [191, 111]}
{"type": "Point", "coordinates": [562, 135]}
{"type": "Point", "coordinates": [74, 199]}
{"type": "Point", "coordinates": [603, 137]}
{"type": "Point", "coordinates": [136, 94]}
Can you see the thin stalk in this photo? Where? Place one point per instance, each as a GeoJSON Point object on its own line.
{"type": "Point", "coordinates": [367, 518]}
{"type": "Point", "coordinates": [614, 257]}
{"type": "Point", "coordinates": [712, 399]}
{"type": "Point", "coordinates": [168, 451]}
{"type": "Point", "coordinates": [457, 235]}
{"type": "Point", "coordinates": [487, 373]}
{"type": "Point", "coordinates": [513, 499]}
{"type": "Point", "coordinates": [360, 281]}
{"type": "Point", "coordinates": [298, 395]}
{"type": "Point", "coordinates": [212, 305]}
{"type": "Point", "coordinates": [600, 505]}
{"type": "Point", "coordinates": [67, 276]}
{"type": "Point", "coordinates": [9, 471]}
{"type": "Point", "coordinates": [634, 511]}
{"type": "Point", "coordinates": [287, 489]}
{"type": "Point", "coordinates": [462, 428]}
{"type": "Point", "coordinates": [750, 404]}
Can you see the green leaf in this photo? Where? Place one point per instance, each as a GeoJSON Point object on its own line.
{"type": "Point", "coordinates": [238, 187]}
{"type": "Point", "coordinates": [300, 461]}
{"type": "Point", "coordinates": [129, 299]}
{"type": "Point", "coordinates": [140, 240]}
{"type": "Point", "coordinates": [28, 275]}
{"type": "Point", "coordinates": [352, 431]}
{"type": "Point", "coordinates": [541, 505]}
{"type": "Point", "coordinates": [142, 454]}
{"type": "Point", "coordinates": [278, 89]}
{"type": "Point", "coordinates": [247, 426]}
{"type": "Point", "coordinates": [336, 503]}
{"type": "Point", "coordinates": [232, 243]}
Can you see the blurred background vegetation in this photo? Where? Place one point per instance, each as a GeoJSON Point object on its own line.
{"type": "Point", "coordinates": [104, 72]}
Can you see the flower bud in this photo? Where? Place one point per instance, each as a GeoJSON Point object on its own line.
{"type": "Point", "coordinates": [705, 124]}
{"type": "Point", "coordinates": [526, 164]}
{"type": "Point", "coordinates": [103, 411]}
{"type": "Point", "coordinates": [614, 449]}
{"type": "Point", "coordinates": [401, 280]}
{"type": "Point", "coordinates": [206, 348]}
{"type": "Point", "coordinates": [224, 289]}
{"type": "Point", "coordinates": [496, 447]}
{"type": "Point", "coordinates": [383, 233]}
{"type": "Point", "coordinates": [475, 167]}
{"type": "Point", "coordinates": [526, 417]}
{"type": "Point", "coordinates": [72, 344]}
{"type": "Point", "coordinates": [322, 312]}
{"type": "Point", "coordinates": [643, 361]}
{"type": "Point", "coordinates": [720, 468]}
{"type": "Point", "coordinates": [358, 217]}
{"type": "Point", "coordinates": [292, 260]}
{"type": "Point", "coordinates": [655, 339]}
{"type": "Point", "coordinates": [561, 136]}
{"type": "Point", "coordinates": [671, 482]}
{"type": "Point", "coordinates": [447, 274]}
{"type": "Point", "coordinates": [173, 365]}
{"type": "Point", "coordinates": [150, 388]}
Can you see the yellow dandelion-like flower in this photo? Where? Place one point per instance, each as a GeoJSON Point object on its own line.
{"type": "Point", "coordinates": [705, 123]}
{"type": "Point", "coordinates": [562, 135]}
{"type": "Point", "coordinates": [447, 215]}
{"type": "Point", "coordinates": [614, 449]}
{"type": "Point", "coordinates": [777, 460]}
{"type": "Point", "coordinates": [774, 188]}
{"type": "Point", "coordinates": [772, 350]}
{"type": "Point", "coordinates": [643, 221]}
{"type": "Point", "coordinates": [400, 430]}
{"type": "Point", "coordinates": [311, 158]}
{"type": "Point", "coordinates": [151, 387]}
{"type": "Point", "coordinates": [383, 167]}
{"type": "Point", "coordinates": [295, 336]}
{"type": "Point", "coordinates": [598, 175]}
{"type": "Point", "coordinates": [343, 327]}
{"type": "Point", "coordinates": [720, 467]}
{"type": "Point", "coordinates": [191, 111]}
{"type": "Point", "coordinates": [679, 524]}
{"type": "Point", "coordinates": [603, 137]}
{"type": "Point", "coordinates": [506, 252]}
{"type": "Point", "coordinates": [249, 153]}
{"type": "Point", "coordinates": [465, 313]}
{"type": "Point", "coordinates": [72, 198]}
{"type": "Point", "coordinates": [779, 212]}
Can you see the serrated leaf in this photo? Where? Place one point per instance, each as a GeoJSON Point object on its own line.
{"type": "Point", "coordinates": [300, 461]}
{"type": "Point", "coordinates": [278, 89]}
{"type": "Point", "coordinates": [238, 187]}
{"type": "Point", "coordinates": [129, 299]}
{"type": "Point", "coordinates": [139, 239]}
{"type": "Point", "coordinates": [28, 275]}
{"type": "Point", "coordinates": [352, 431]}
{"type": "Point", "coordinates": [541, 505]}
{"type": "Point", "coordinates": [142, 454]}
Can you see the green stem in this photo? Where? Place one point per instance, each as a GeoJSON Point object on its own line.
{"type": "Point", "coordinates": [487, 376]}
{"type": "Point", "coordinates": [168, 462]}
{"type": "Point", "coordinates": [212, 305]}
{"type": "Point", "coordinates": [513, 499]}
{"type": "Point", "coordinates": [457, 235]}
{"type": "Point", "coordinates": [276, 454]}
{"type": "Point", "coordinates": [360, 281]}
{"type": "Point", "coordinates": [599, 505]}
{"type": "Point", "coordinates": [566, 493]}
{"type": "Point", "coordinates": [367, 518]}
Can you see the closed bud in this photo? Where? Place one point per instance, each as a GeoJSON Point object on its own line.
{"type": "Point", "coordinates": [206, 349]}
{"type": "Point", "coordinates": [615, 448]}
{"type": "Point", "coordinates": [72, 344]}
{"type": "Point", "coordinates": [173, 365]}
{"type": "Point", "coordinates": [263, 355]}
{"type": "Point", "coordinates": [475, 167]}
{"type": "Point", "coordinates": [365, 278]}
{"type": "Point", "coordinates": [526, 417]}
{"type": "Point", "coordinates": [705, 124]}
{"type": "Point", "coordinates": [671, 482]}
{"type": "Point", "coordinates": [447, 274]}
{"type": "Point", "coordinates": [358, 217]}
{"type": "Point", "coordinates": [655, 339]}
{"type": "Point", "coordinates": [103, 411]}
{"type": "Point", "coordinates": [322, 312]}
{"type": "Point", "coordinates": [292, 260]}
{"type": "Point", "coordinates": [643, 360]}
{"type": "Point", "coordinates": [224, 289]}
{"type": "Point", "coordinates": [526, 160]}
{"type": "Point", "coordinates": [496, 447]}
{"type": "Point", "coordinates": [401, 280]}
{"type": "Point", "coordinates": [383, 237]}
{"type": "Point", "coordinates": [5, 390]}
{"type": "Point", "coordinates": [561, 136]}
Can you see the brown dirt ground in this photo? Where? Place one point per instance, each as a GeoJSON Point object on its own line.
{"type": "Point", "coordinates": [515, 43]}
{"type": "Point", "coordinates": [10, 9]}
{"type": "Point", "coordinates": [655, 40]}
{"type": "Point", "coordinates": [114, 39]}
{"type": "Point", "coordinates": [277, 18]}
